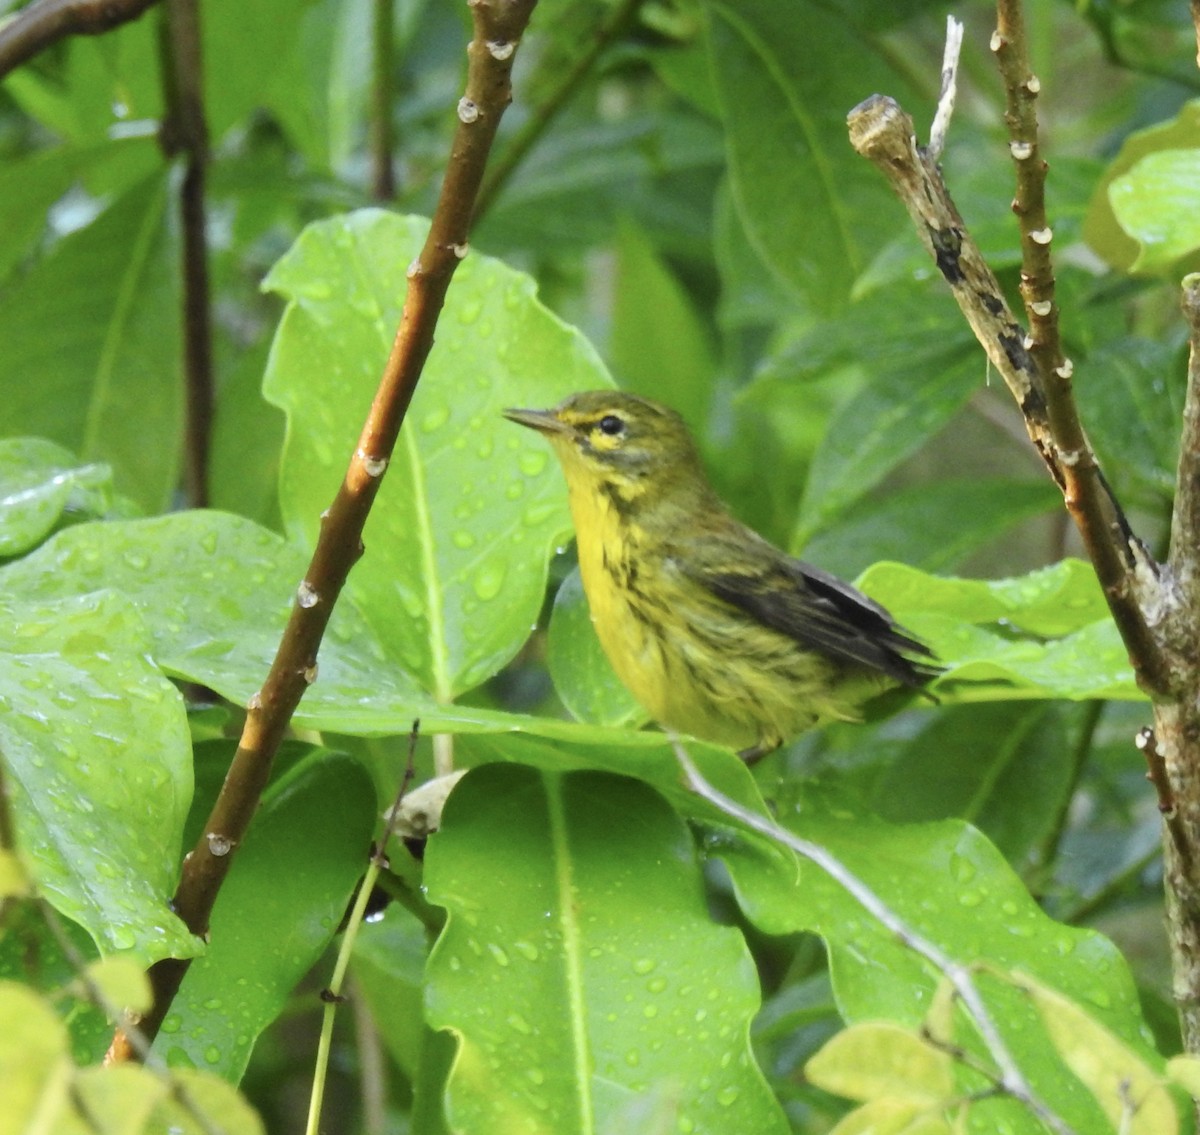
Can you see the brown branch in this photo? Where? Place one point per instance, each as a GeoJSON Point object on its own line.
{"type": "Point", "coordinates": [1021, 89]}
{"type": "Point", "coordinates": [44, 22]}
{"type": "Point", "coordinates": [882, 132]}
{"type": "Point", "coordinates": [497, 23]}
{"type": "Point", "coordinates": [185, 131]}
{"type": "Point", "coordinates": [383, 142]}
{"type": "Point", "coordinates": [619, 20]}
{"type": "Point", "coordinates": [1158, 775]}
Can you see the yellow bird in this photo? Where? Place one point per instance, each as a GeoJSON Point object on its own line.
{"type": "Point", "coordinates": [715, 631]}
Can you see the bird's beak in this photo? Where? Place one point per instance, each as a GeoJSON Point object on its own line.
{"type": "Point", "coordinates": [544, 421]}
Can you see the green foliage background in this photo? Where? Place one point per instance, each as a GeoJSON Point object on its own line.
{"type": "Point", "coordinates": [587, 947]}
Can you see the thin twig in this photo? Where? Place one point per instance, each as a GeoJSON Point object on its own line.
{"type": "Point", "coordinates": [44, 22]}
{"type": "Point", "coordinates": [882, 132]}
{"type": "Point", "coordinates": [382, 131]}
{"type": "Point", "coordinates": [619, 19]}
{"type": "Point", "coordinates": [332, 994]}
{"type": "Point", "coordinates": [1021, 90]}
{"type": "Point", "coordinates": [498, 27]}
{"type": "Point", "coordinates": [1157, 774]}
{"type": "Point", "coordinates": [1011, 1080]}
{"type": "Point", "coordinates": [185, 131]}
{"type": "Point", "coordinates": [945, 106]}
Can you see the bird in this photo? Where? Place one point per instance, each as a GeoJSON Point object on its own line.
{"type": "Point", "coordinates": [716, 632]}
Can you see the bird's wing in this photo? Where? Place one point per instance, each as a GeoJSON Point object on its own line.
{"type": "Point", "coordinates": [814, 608]}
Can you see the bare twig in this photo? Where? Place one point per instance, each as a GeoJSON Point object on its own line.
{"type": "Point", "coordinates": [1158, 775]}
{"type": "Point", "coordinates": [332, 994]}
{"type": "Point", "coordinates": [44, 22]}
{"type": "Point", "coordinates": [1010, 1080]}
{"type": "Point", "coordinates": [383, 178]}
{"type": "Point", "coordinates": [185, 131]}
{"type": "Point", "coordinates": [945, 106]}
{"type": "Point", "coordinates": [498, 27]}
{"type": "Point", "coordinates": [882, 132]}
{"type": "Point", "coordinates": [619, 19]}
{"type": "Point", "coordinates": [1021, 89]}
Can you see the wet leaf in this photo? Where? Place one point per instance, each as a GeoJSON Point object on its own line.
{"type": "Point", "coordinates": [78, 700]}
{"type": "Point", "coordinates": [578, 954]}
{"type": "Point", "coordinates": [469, 512]}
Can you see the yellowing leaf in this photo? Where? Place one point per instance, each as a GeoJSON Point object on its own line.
{"type": "Point", "coordinates": [1131, 1093]}
{"type": "Point", "coordinates": [892, 1116]}
{"type": "Point", "coordinates": [879, 1059]}
{"type": "Point", "coordinates": [1185, 1071]}
{"type": "Point", "coordinates": [35, 1066]}
{"type": "Point", "coordinates": [123, 983]}
{"type": "Point", "coordinates": [14, 883]}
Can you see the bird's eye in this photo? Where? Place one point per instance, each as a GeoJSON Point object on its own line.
{"type": "Point", "coordinates": [610, 424]}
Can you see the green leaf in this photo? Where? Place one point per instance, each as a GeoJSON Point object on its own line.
{"type": "Point", "coordinates": [244, 48]}
{"type": "Point", "coordinates": [947, 883]}
{"type": "Point", "coordinates": [1002, 767]}
{"type": "Point", "coordinates": [583, 677]}
{"type": "Point", "coordinates": [389, 972]}
{"type": "Point", "coordinates": [30, 186]}
{"type": "Point", "coordinates": [278, 910]}
{"type": "Point", "coordinates": [460, 535]}
{"type": "Point", "coordinates": [659, 347]}
{"type": "Point", "coordinates": [1130, 1090]}
{"type": "Point", "coordinates": [658, 167]}
{"type": "Point", "coordinates": [593, 969]}
{"type": "Point", "coordinates": [107, 83]}
{"type": "Point", "coordinates": [932, 526]}
{"type": "Point", "coordinates": [39, 482]}
{"type": "Point", "coordinates": [215, 591]}
{"type": "Point", "coordinates": [1045, 634]}
{"type": "Point", "coordinates": [900, 408]}
{"type": "Point", "coordinates": [1049, 602]}
{"type": "Point", "coordinates": [1132, 413]}
{"type": "Point", "coordinates": [876, 1059]}
{"type": "Point", "coordinates": [32, 955]}
{"type": "Point", "coordinates": [91, 337]}
{"type": "Point", "coordinates": [1102, 229]}
{"type": "Point", "coordinates": [786, 75]}
{"type": "Point", "coordinates": [1153, 204]}
{"type": "Point", "coordinates": [246, 440]}
{"type": "Point", "coordinates": [78, 699]}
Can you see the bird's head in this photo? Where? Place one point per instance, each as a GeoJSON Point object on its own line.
{"type": "Point", "coordinates": [609, 438]}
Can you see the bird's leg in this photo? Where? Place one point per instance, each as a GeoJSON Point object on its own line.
{"type": "Point", "coordinates": [755, 753]}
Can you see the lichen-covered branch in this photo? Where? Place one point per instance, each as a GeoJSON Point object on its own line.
{"type": "Point", "coordinates": [883, 132]}
{"type": "Point", "coordinates": [498, 28]}
{"type": "Point", "coordinates": [44, 22]}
